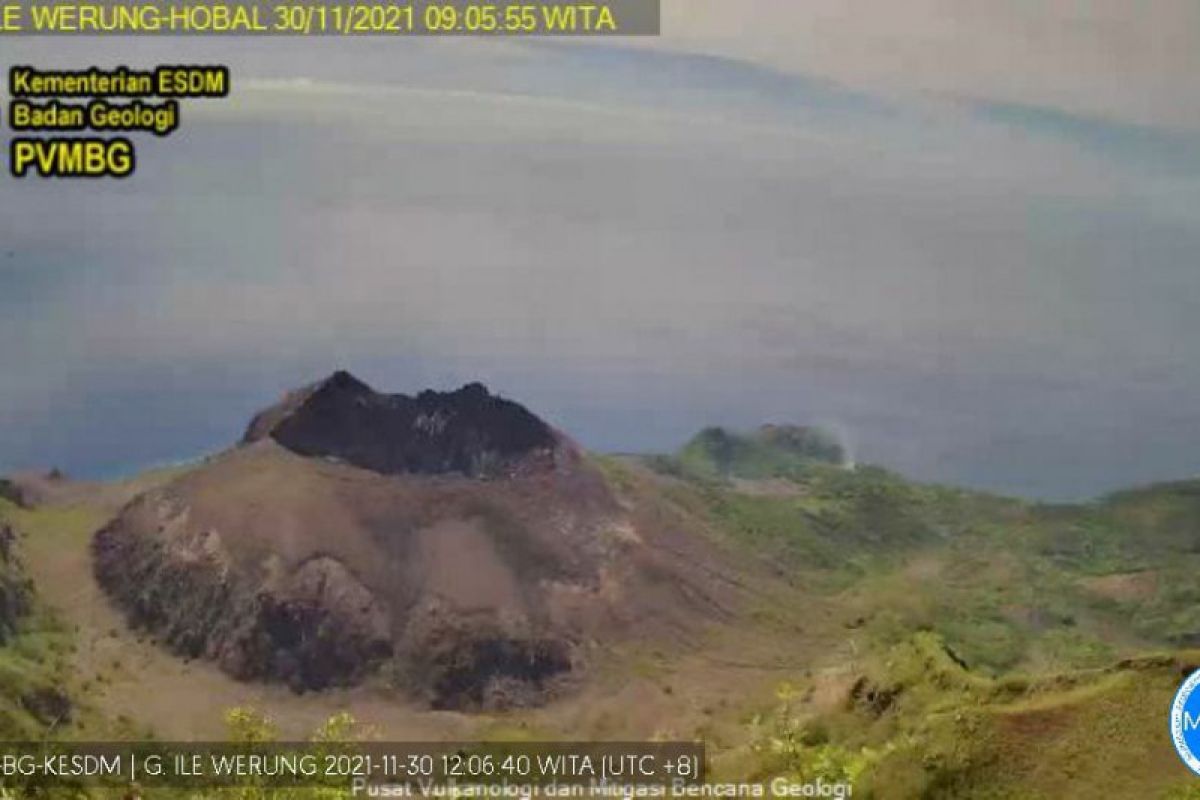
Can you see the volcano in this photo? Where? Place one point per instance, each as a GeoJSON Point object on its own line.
{"type": "Point", "coordinates": [452, 542]}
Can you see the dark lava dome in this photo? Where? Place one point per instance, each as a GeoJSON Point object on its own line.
{"type": "Point", "coordinates": [469, 431]}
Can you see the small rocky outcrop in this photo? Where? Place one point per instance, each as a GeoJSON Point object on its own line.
{"type": "Point", "coordinates": [49, 705]}
{"type": "Point", "coordinates": [10, 492]}
{"type": "Point", "coordinates": [32, 488]}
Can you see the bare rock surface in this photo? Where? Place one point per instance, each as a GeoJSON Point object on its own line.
{"type": "Point", "coordinates": [469, 431]}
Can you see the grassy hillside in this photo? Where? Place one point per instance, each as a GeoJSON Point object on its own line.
{"type": "Point", "coordinates": [923, 641]}
{"type": "Point", "coordinates": [995, 648]}
{"type": "Point", "coordinates": [33, 650]}
{"type": "Point", "coordinates": [912, 722]}
{"type": "Point", "coordinates": [1008, 584]}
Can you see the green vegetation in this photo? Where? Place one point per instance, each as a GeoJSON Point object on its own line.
{"type": "Point", "coordinates": [1007, 584]}
{"type": "Point", "coordinates": [915, 723]}
{"type": "Point", "coordinates": [986, 628]}
{"type": "Point", "coordinates": [34, 655]}
{"type": "Point", "coordinates": [33, 665]}
{"type": "Point", "coordinates": [984, 647]}
{"type": "Point", "coordinates": [771, 451]}
{"type": "Point", "coordinates": [834, 518]}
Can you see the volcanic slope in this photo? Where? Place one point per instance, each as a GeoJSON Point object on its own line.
{"type": "Point", "coordinates": [454, 541]}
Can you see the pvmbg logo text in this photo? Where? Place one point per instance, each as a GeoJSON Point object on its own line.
{"type": "Point", "coordinates": [1185, 722]}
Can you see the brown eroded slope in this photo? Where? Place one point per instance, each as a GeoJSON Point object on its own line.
{"type": "Point", "coordinates": [454, 539]}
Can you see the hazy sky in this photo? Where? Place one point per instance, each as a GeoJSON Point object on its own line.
{"type": "Point", "coordinates": [1134, 62]}
{"type": "Point", "coordinates": [963, 234]}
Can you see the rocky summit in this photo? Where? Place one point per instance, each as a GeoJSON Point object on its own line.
{"type": "Point", "coordinates": [469, 431]}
